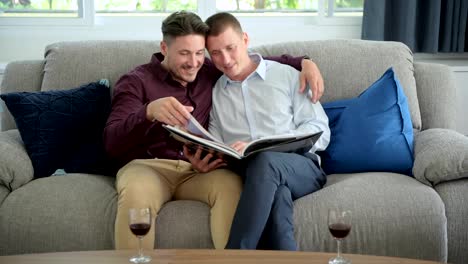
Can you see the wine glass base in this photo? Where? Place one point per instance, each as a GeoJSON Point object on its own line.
{"type": "Point", "coordinates": [140, 259]}
{"type": "Point", "coordinates": [339, 260]}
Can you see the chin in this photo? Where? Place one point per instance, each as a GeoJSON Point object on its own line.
{"type": "Point", "coordinates": [190, 78]}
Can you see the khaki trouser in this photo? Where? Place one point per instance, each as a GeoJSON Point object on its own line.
{"type": "Point", "coordinates": [153, 182]}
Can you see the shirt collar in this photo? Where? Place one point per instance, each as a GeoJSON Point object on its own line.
{"type": "Point", "coordinates": [260, 70]}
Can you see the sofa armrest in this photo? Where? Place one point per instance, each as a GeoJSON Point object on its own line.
{"type": "Point", "coordinates": [440, 155]}
{"type": "Point", "coordinates": [15, 165]}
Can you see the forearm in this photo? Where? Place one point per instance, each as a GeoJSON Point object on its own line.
{"type": "Point", "coordinates": [310, 118]}
{"type": "Point", "coordinates": [314, 126]}
{"type": "Point", "coordinates": [295, 62]}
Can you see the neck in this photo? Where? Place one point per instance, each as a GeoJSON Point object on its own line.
{"type": "Point", "coordinates": [248, 69]}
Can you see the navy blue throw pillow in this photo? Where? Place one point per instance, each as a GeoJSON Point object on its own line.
{"type": "Point", "coordinates": [372, 132]}
{"type": "Point", "coordinates": [62, 129]}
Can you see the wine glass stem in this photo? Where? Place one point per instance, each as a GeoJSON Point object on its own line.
{"type": "Point", "coordinates": [140, 249]}
{"type": "Point", "coordinates": [339, 247]}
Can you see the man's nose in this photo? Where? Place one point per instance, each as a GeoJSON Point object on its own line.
{"type": "Point", "coordinates": [193, 60]}
{"type": "Point", "coordinates": [225, 58]}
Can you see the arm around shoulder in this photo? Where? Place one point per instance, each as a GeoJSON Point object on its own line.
{"type": "Point", "coordinates": [295, 62]}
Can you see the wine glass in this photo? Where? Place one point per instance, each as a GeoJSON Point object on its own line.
{"type": "Point", "coordinates": [139, 220]}
{"type": "Point", "coordinates": [339, 224]}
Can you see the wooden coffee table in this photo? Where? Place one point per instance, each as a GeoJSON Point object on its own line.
{"type": "Point", "coordinates": [204, 256]}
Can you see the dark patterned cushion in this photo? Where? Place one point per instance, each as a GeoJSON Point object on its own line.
{"type": "Point", "coordinates": [62, 129]}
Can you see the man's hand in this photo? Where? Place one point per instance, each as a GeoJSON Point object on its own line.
{"type": "Point", "coordinates": [311, 74]}
{"type": "Point", "coordinates": [205, 164]}
{"type": "Point", "coordinates": [238, 146]}
{"type": "Point", "coordinates": [169, 111]}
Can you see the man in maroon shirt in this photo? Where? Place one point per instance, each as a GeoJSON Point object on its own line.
{"type": "Point", "coordinates": [176, 83]}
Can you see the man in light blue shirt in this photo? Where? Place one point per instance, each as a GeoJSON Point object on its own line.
{"type": "Point", "coordinates": [256, 98]}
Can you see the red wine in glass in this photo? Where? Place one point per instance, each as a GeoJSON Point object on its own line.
{"type": "Point", "coordinates": [139, 221]}
{"type": "Point", "coordinates": [339, 230]}
{"type": "Point", "coordinates": [339, 225]}
{"type": "Point", "coordinates": [140, 229]}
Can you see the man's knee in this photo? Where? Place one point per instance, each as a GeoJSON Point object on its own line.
{"type": "Point", "coordinates": [266, 158]}
{"type": "Point", "coordinates": [138, 188]}
{"type": "Point", "coordinates": [263, 168]}
{"type": "Point", "coordinates": [138, 182]}
{"type": "Point", "coordinates": [225, 180]}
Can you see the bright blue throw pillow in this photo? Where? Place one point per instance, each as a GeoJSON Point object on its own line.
{"type": "Point", "coordinates": [62, 129]}
{"type": "Point", "coordinates": [372, 132]}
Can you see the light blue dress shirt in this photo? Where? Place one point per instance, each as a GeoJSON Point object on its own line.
{"type": "Point", "coordinates": [266, 103]}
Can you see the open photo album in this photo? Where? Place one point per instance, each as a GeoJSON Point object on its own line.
{"type": "Point", "coordinates": [195, 135]}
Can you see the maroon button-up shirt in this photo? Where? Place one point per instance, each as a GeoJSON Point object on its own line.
{"type": "Point", "coordinates": [129, 135]}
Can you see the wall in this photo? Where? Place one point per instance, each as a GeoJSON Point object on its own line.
{"type": "Point", "coordinates": [462, 99]}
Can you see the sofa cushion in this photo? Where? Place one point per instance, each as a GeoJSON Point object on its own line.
{"type": "Point", "coordinates": [440, 155]}
{"type": "Point", "coordinates": [392, 215]}
{"type": "Point", "coordinates": [63, 129]}
{"type": "Point", "coordinates": [372, 132]}
{"type": "Point", "coordinates": [53, 214]}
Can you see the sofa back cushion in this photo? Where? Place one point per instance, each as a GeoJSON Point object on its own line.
{"type": "Point", "coordinates": [347, 66]}
{"type": "Point", "coordinates": [70, 64]}
{"type": "Point", "coordinates": [350, 66]}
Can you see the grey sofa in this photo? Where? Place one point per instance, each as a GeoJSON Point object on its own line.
{"type": "Point", "coordinates": [423, 217]}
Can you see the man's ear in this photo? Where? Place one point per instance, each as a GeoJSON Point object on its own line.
{"type": "Point", "coordinates": [163, 47]}
{"type": "Point", "coordinates": [245, 38]}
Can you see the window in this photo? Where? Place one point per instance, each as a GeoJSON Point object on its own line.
{"type": "Point", "coordinates": [46, 12]}
{"type": "Point", "coordinates": [346, 8]}
{"type": "Point", "coordinates": [268, 6]}
{"type": "Point", "coordinates": [39, 8]}
{"type": "Point", "coordinates": [85, 11]}
{"type": "Point", "coordinates": [144, 6]}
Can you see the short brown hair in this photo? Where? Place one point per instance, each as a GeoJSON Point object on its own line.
{"type": "Point", "coordinates": [182, 23]}
{"type": "Point", "coordinates": [219, 22]}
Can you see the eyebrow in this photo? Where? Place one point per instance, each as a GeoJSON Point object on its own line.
{"type": "Point", "coordinates": [186, 50]}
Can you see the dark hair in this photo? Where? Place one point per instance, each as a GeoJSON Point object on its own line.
{"type": "Point", "coordinates": [182, 23]}
{"type": "Point", "coordinates": [219, 22]}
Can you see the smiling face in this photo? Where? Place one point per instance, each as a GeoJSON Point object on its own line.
{"type": "Point", "coordinates": [228, 51]}
{"type": "Point", "coordinates": [184, 56]}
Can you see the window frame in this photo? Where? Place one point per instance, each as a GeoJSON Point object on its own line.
{"type": "Point", "coordinates": [87, 17]}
